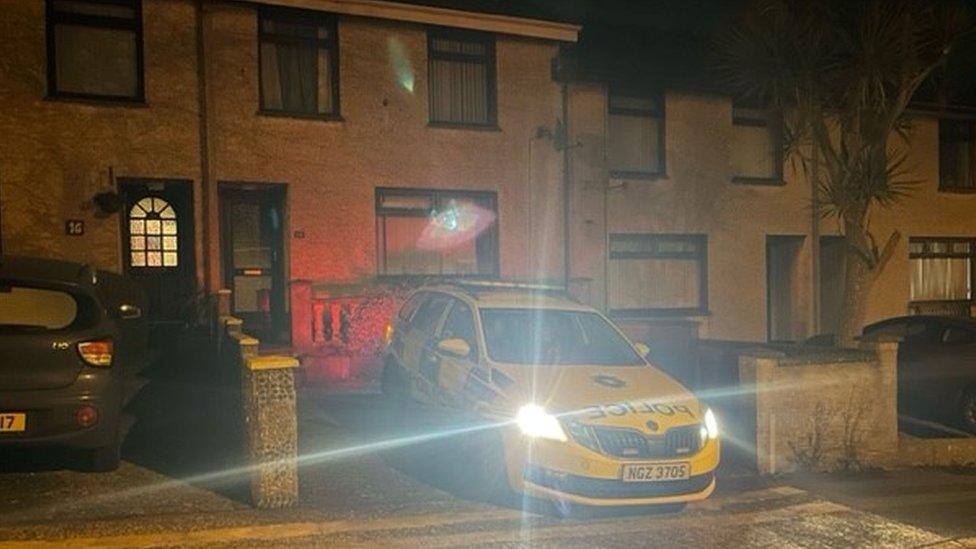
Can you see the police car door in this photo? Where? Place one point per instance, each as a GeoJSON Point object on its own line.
{"type": "Point", "coordinates": [419, 341]}
{"type": "Point", "coordinates": [454, 370]}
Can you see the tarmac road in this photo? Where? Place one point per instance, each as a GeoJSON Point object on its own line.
{"type": "Point", "coordinates": [362, 485]}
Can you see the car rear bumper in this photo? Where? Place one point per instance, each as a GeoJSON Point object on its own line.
{"type": "Point", "coordinates": [51, 413]}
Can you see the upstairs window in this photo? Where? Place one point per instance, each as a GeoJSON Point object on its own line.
{"type": "Point", "coordinates": [655, 274]}
{"type": "Point", "coordinates": [756, 154]}
{"type": "Point", "coordinates": [956, 155]}
{"type": "Point", "coordinates": [462, 77]}
{"type": "Point", "coordinates": [299, 69]}
{"type": "Point", "coordinates": [94, 49]}
{"type": "Point", "coordinates": [423, 233]}
{"type": "Point", "coordinates": [636, 141]}
{"type": "Point", "coordinates": [942, 269]}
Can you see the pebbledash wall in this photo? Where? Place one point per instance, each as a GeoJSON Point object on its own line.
{"type": "Point", "coordinates": [697, 195]}
{"type": "Point", "coordinates": [57, 154]}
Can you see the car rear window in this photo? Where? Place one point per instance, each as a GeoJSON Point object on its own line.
{"type": "Point", "coordinates": [36, 308]}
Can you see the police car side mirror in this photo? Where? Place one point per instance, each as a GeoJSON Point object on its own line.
{"type": "Point", "coordinates": [455, 346]}
{"type": "Point", "coordinates": [642, 349]}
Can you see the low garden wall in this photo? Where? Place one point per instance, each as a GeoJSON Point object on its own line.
{"type": "Point", "coordinates": [823, 409]}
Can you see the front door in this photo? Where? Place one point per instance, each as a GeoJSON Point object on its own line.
{"type": "Point", "coordinates": [253, 256]}
{"type": "Point", "coordinates": [157, 231]}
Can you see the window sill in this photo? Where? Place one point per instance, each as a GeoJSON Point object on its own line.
{"type": "Point", "coordinates": [637, 175]}
{"type": "Point", "coordinates": [99, 100]}
{"type": "Point", "coordinates": [759, 181]}
{"type": "Point", "coordinates": [957, 190]}
{"type": "Point", "coordinates": [461, 126]}
{"type": "Point", "coordinates": [650, 314]}
{"type": "Point", "coordinates": [302, 116]}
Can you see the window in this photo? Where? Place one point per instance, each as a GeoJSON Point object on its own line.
{"type": "Point", "coordinates": [23, 308]}
{"type": "Point", "coordinates": [756, 155]}
{"type": "Point", "coordinates": [956, 155]}
{"type": "Point", "coordinates": [460, 324]}
{"type": "Point", "coordinates": [636, 142]}
{"type": "Point", "coordinates": [423, 232]}
{"type": "Point", "coordinates": [462, 77]}
{"type": "Point", "coordinates": [94, 49]}
{"type": "Point", "coordinates": [299, 69]}
{"type": "Point", "coordinates": [552, 337]}
{"type": "Point", "coordinates": [942, 269]}
{"type": "Point", "coordinates": [152, 234]}
{"type": "Point", "coordinates": [657, 274]}
{"type": "Point", "coordinates": [429, 313]}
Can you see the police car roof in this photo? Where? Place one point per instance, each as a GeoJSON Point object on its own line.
{"type": "Point", "coordinates": [514, 295]}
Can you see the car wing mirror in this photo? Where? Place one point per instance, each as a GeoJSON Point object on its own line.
{"type": "Point", "coordinates": [129, 312]}
{"type": "Point", "coordinates": [642, 349]}
{"type": "Point", "coordinates": [454, 346]}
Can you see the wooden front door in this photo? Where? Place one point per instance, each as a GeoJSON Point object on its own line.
{"type": "Point", "coordinates": [157, 244]}
{"type": "Point", "coordinates": [253, 257]}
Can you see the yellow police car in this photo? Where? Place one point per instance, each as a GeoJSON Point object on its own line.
{"type": "Point", "coordinates": [573, 410]}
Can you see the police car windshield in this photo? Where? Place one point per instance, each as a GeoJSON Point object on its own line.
{"type": "Point", "coordinates": [554, 337]}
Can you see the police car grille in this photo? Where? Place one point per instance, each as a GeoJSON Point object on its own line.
{"type": "Point", "coordinates": [683, 441]}
{"type": "Point", "coordinates": [625, 443]}
{"type": "Point", "coordinates": [622, 443]}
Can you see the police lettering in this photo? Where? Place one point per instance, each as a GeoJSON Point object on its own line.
{"type": "Point", "coordinates": [623, 408]}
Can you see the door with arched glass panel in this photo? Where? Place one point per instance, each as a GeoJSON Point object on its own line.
{"type": "Point", "coordinates": [157, 235]}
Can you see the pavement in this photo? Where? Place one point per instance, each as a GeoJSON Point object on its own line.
{"type": "Point", "coordinates": [368, 480]}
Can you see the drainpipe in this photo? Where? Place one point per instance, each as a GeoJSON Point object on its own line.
{"type": "Point", "coordinates": [566, 163]}
{"type": "Point", "coordinates": [204, 140]}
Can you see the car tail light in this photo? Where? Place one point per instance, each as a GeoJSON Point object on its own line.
{"type": "Point", "coordinates": [97, 352]}
{"type": "Point", "coordinates": [86, 416]}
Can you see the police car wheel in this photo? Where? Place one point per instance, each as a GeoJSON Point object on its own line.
{"type": "Point", "coordinates": [563, 508]}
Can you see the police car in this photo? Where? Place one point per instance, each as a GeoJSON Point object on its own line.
{"type": "Point", "coordinates": [572, 411]}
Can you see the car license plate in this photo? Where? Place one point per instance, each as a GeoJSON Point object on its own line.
{"type": "Point", "coordinates": [12, 423]}
{"type": "Point", "coordinates": [654, 472]}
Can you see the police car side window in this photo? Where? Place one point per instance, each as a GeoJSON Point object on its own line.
{"type": "Point", "coordinates": [408, 308]}
{"type": "Point", "coordinates": [460, 324]}
{"type": "Point", "coordinates": [429, 313]}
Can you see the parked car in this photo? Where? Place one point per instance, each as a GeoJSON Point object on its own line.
{"type": "Point", "coordinates": [936, 366]}
{"type": "Point", "coordinates": [576, 414]}
{"type": "Point", "coordinates": [71, 338]}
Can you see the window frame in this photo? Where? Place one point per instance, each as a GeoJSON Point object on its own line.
{"type": "Point", "coordinates": [971, 255]}
{"type": "Point", "coordinates": [972, 155]}
{"type": "Point", "coordinates": [381, 212]}
{"type": "Point", "coordinates": [659, 113]}
{"type": "Point", "coordinates": [307, 17]}
{"type": "Point", "coordinates": [53, 18]}
{"type": "Point", "coordinates": [490, 61]}
{"type": "Point", "coordinates": [700, 256]}
{"type": "Point", "coordinates": [774, 126]}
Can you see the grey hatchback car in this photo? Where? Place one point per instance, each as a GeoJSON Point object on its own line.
{"type": "Point", "coordinates": [70, 338]}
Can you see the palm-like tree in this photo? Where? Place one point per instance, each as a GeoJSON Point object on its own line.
{"type": "Point", "coordinates": [842, 73]}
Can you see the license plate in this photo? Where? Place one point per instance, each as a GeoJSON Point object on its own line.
{"type": "Point", "coordinates": [655, 472]}
{"type": "Point", "coordinates": [12, 423]}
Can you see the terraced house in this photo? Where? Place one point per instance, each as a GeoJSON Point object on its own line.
{"type": "Point", "coordinates": [271, 147]}
{"type": "Point", "coordinates": [262, 146]}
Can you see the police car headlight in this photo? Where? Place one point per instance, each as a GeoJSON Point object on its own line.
{"type": "Point", "coordinates": [534, 422]}
{"type": "Point", "coordinates": [710, 430]}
